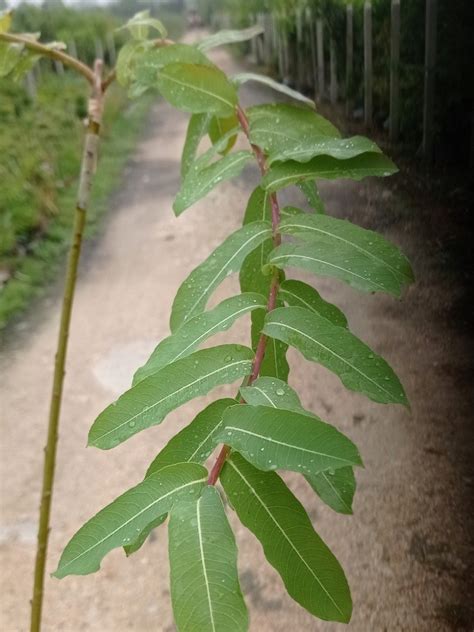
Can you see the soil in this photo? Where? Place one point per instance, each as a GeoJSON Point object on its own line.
{"type": "Point", "coordinates": [408, 548]}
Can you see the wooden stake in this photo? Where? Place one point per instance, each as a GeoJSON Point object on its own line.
{"type": "Point", "coordinates": [368, 79]}
{"type": "Point", "coordinates": [349, 56]}
{"type": "Point", "coordinates": [430, 63]}
{"type": "Point", "coordinates": [320, 56]}
{"type": "Point", "coordinates": [333, 89]}
{"type": "Point", "coordinates": [394, 71]}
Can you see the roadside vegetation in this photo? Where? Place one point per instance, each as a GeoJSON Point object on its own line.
{"type": "Point", "coordinates": [39, 174]}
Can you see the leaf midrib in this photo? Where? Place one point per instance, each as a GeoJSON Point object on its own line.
{"type": "Point", "coordinates": [198, 89]}
{"type": "Point", "coordinates": [327, 263]}
{"type": "Point", "coordinates": [176, 489]}
{"type": "Point", "coordinates": [186, 386]}
{"type": "Point", "coordinates": [218, 174]}
{"type": "Point", "coordinates": [224, 267]}
{"type": "Point", "coordinates": [336, 491]}
{"type": "Point", "coordinates": [320, 173]}
{"type": "Point", "coordinates": [234, 314]}
{"type": "Point", "coordinates": [287, 445]}
{"type": "Point", "coordinates": [257, 496]}
{"type": "Point", "coordinates": [303, 227]}
{"type": "Point", "coordinates": [298, 331]}
{"type": "Point", "coordinates": [203, 562]}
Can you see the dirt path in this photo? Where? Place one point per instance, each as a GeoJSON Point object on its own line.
{"type": "Point", "coordinates": [405, 550]}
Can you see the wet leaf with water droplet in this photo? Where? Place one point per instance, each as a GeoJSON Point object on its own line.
{"type": "Point", "coordinates": [338, 350]}
{"type": "Point", "coordinates": [132, 511]}
{"type": "Point", "coordinates": [148, 402]}
{"type": "Point", "coordinates": [192, 296]}
{"type": "Point", "coordinates": [205, 590]}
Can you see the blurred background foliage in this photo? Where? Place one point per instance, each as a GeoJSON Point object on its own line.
{"type": "Point", "coordinates": [41, 132]}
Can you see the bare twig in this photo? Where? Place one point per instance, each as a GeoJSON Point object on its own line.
{"type": "Point", "coordinates": [52, 53]}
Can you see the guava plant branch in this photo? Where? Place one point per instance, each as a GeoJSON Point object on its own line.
{"type": "Point", "coordinates": [52, 53]}
{"type": "Point", "coordinates": [272, 295]}
{"type": "Point", "coordinates": [89, 159]}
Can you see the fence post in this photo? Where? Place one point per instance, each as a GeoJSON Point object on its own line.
{"type": "Point", "coordinates": [349, 56]}
{"type": "Point", "coordinates": [260, 39]}
{"type": "Point", "coordinates": [72, 48]}
{"type": "Point", "coordinates": [314, 62]}
{"type": "Point", "coordinates": [320, 55]}
{"type": "Point", "coordinates": [253, 42]}
{"type": "Point", "coordinates": [430, 61]}
{"type": "Point", "coordinates": [368, 63]}
{"type": "Point", "coordinates": [300, 60]}
{"type": "Point", "coordinates": [99, 49]}
{"type": "Point", "coordinates": [110, 42]}
{"type": "Point", "coordinates": [267, 40]}
{"type": "Point", "coordinates": [286, 57]}
{"type": "Point", "coordinates": [333, 88]}
{"type": "Point", "coordinates": [275, 46]}
{"type": "Point", "coordinates": [58, 67]}
{"type": "Point", "coordinates": [394, 71]}
{"type": "Point", "coordinates": [308, 39]}
{"type": "Point", "coordinates": [30, 85]}
{"type": "Point", "coordinates": [280, 51]}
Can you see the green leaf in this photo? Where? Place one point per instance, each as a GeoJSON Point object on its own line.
{"type": "Point", "coordinates": [198, 183]}
{"type": "Point", "coordinates": [244, 77]}
{"type": "Point", "coordinates": [299, 294]}
{"type": "Point", "coordinates": [26, 63]}
{"type": "Point", "coordinates": [129, 59]}
{"type": "Point", "coordinates": [197, 128]}
{"type": "Point", "coordinates": [335, 487]}
{"type": "Point", "coordinates": [148, 403]}
{"type": "Point", "coordinates": [335, 247]}
{"type": "Point", "coordinates": [319, 340]}
{"type": "Point", "coordinates": [308, 147]}
{"type": "Point", "coordinates": [137, 544]}
{"type": "Point", "coordinates": [128, 514]}
{"type": "Point", "coordinates": [312, 575]}
{"type": "Point", "coordinates": [198, 329]}
{"type": "Point", "coordinates": [141, 23]}
{"type": "Point", "coordinates": [197, 88]}
{"type": "Point", "coordinates": [268, 391]}
{"type": "Point", "coordinates": [218, 129]}
{"type": "Point", "coordinates": [283, 174]}
{"type": "Point", "coordinates": [196, 441]}
{"type": "Point", "coordinates": [5, 21]}
{"type": "Point", "coordinates": [253, 278]}
{"type": "Point", "coordinates": [273, 438]}
{"type": "Point", "coordinates": [206, 158]}
{"type": "Point", "coordinates": [310, 190]}
{"type": "Point", "coordinates": [277, 126]}
{"type": "Point", "coordinates": [274, 363]}
{"type": "Point", "coordinates": [229, 37]}
{"type": "Point", "coordinates": [205, 590]}
{"type": "Point", "coordinates": [227, 258]}
{"type": "Point", "coordinates": [10, 55]}
{"type": "Point", "coordinates": [155, 58]}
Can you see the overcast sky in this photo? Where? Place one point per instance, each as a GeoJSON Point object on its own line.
{"type": "Point", "coordinates": [14, 3]}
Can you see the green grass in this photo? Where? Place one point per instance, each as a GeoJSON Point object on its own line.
{"type": "Point", "coordinates": [32, 272]}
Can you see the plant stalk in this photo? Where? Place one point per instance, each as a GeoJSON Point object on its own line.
{"type": "Point", "coordinates": [89, 159]}
{"type": "Point", "coordinates": [272, 295]}
{"type": "Point", "coordinates": [52, 53]}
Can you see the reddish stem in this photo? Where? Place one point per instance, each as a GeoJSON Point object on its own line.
{"type": "Point", "coordinates": [218, 465]}
{"type": "Point", "coordinates": [272, 296]}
